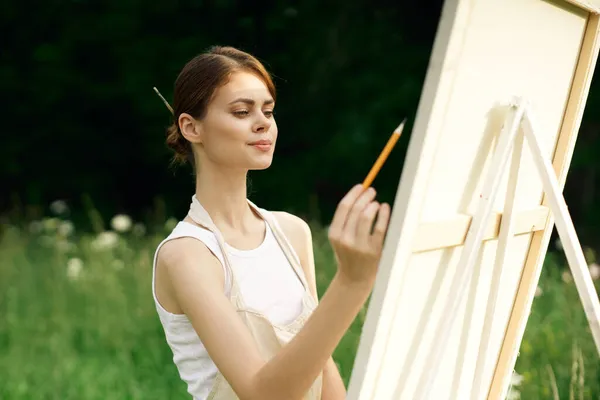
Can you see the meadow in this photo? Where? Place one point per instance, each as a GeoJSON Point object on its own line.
{"type": "Point", "coordinates": [77, 320]}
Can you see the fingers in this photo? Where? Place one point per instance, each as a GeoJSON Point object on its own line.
{"type": "Point", "coordinates": [365, 222]}
{"type": "Point", "coordinates": [383, 218]}
{"type": "Point", "coordinates": [357, 210]}
{"type": "Point", "coordinates": [354, 218]}
{"type": "Point", "coordinates": [343, 210]}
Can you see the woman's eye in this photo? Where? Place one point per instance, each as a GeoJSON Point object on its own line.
{"type": "Point", "coordinates": [243, 113]}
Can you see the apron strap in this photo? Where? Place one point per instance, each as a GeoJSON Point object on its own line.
{"type": "Point", "coordinates": [200, 216]}
{"type": "Point", "coordinates": [283, 243]}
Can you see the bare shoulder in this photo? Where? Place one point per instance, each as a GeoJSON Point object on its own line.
{"type": "Point", "coordinates": [180, 248]}
{"type": "Point", "coordinates": [183, 261]}
{"type": "Point", "coordinates": [179, 254]}
{"type": "Point", "coordinates": [293, 226]}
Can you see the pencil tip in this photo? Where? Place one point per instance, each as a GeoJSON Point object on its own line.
{"type": "Point", "coordinates": [400, 127]}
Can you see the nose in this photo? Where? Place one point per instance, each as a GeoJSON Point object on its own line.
{"type": "Point", "coordinates": [262, 125]}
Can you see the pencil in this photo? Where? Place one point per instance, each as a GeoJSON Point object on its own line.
{"type": "Point", "coordinates": [163, 99]}
{"type": "Point", "coordinates": [383, 156]}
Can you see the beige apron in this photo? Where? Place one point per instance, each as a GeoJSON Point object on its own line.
{"type": "Point", "coordinates": [268, 337]}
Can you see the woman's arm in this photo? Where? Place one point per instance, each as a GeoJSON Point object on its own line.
{"type": "Point", "coordinates": [299, 234]}
{"type": "Point", "coordinates": [194, 279]}
{"type": "Point", "coordinates": [333, 385]}
{"type": "Point", "coordinates": [197, 284]}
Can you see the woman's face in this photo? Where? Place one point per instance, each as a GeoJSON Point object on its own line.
{"type": "Point", "coordinates": [239, 130]}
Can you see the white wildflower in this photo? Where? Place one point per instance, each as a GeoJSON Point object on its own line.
{"type": "Point", "coordinates": [74, 267]}
{"type": "Point", "coordinates": [50, 224]}
{"type": "Point", "coordinates": [121, 223]}
{"type": "Point", "coordinates": [59, 207]}
{"type": "Point", "coordinates": [516, 379]}
{"type": "Point", "coordinates": [566, 276]}
{"type": "Point", "coordinates": [138, 229]}
{"type": "Point", "coordinates": [65, 228]}
{"type": "Point", "coordinates": [558, 244]}
{"type": "Point", "coordinates": [170, 224]}
{"type": "Point", "coordinates": [105, 240]}
{"type": "Point", "coordinates": [538, 291]}
{"type": "Point", "coordinates": [594, 271]}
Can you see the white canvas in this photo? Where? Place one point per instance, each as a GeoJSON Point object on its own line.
{"type": "Point", "coordinates": [486, 52]}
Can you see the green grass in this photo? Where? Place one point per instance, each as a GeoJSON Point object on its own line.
{"type": "Point", "coordinates": [98, 336]}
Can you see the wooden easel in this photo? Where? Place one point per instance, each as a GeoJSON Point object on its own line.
{"type": "Point", "coordinates": [520, 124]}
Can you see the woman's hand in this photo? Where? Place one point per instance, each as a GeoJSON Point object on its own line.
{"type": "Point", "coordinates": [357, 249]}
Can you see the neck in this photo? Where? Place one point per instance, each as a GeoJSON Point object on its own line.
{"type": "Point", "coordinates": [223, 196]}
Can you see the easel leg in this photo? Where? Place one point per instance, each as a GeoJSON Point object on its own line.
{"type": "Point", "coordinates": [506, 233]}
{"type": "Point", "coordinates": [566, 230]}
{"type": "Point", "coordinates": [468, 256]}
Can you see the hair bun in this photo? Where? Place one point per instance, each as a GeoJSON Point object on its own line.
{"type": "Point", "coordinates": [178, 144]}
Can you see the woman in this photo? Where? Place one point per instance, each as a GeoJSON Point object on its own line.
{"type": "Point", "coordinates": [234, 284]}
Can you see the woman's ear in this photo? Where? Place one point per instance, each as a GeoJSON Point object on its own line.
{"type": "Point", "coordinates": [191, 129]}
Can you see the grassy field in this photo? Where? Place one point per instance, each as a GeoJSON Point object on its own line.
{"type": "Point", "coordinates": [77, 320]}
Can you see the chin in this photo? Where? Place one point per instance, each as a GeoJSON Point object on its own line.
{"type": "Point", "coordinates": [257, 166]}
{"type": "Point", "coordinates": [257, 159]}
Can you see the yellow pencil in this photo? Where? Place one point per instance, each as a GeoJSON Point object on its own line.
{"type": "Point", "coordinates": [383, 156]}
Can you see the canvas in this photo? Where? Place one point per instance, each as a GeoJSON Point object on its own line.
{"type": "Point", "coordinates": [486, 52]}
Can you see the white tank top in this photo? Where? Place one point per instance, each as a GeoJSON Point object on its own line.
{"type": "Point", "coordinates": [267, 282]}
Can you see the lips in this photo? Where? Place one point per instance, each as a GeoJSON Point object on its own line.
{"type": "Point", "coordinates": [261, 143]}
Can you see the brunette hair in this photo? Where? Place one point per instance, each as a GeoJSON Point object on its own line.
{"type": "Point", "coordinates": [195, 87]}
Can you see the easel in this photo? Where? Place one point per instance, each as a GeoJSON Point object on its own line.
{"type": "Point", "coordinates": [511, 139]}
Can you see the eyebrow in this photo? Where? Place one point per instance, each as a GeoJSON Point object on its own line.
{"type": "Point", "coordinates": [250, 101]}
